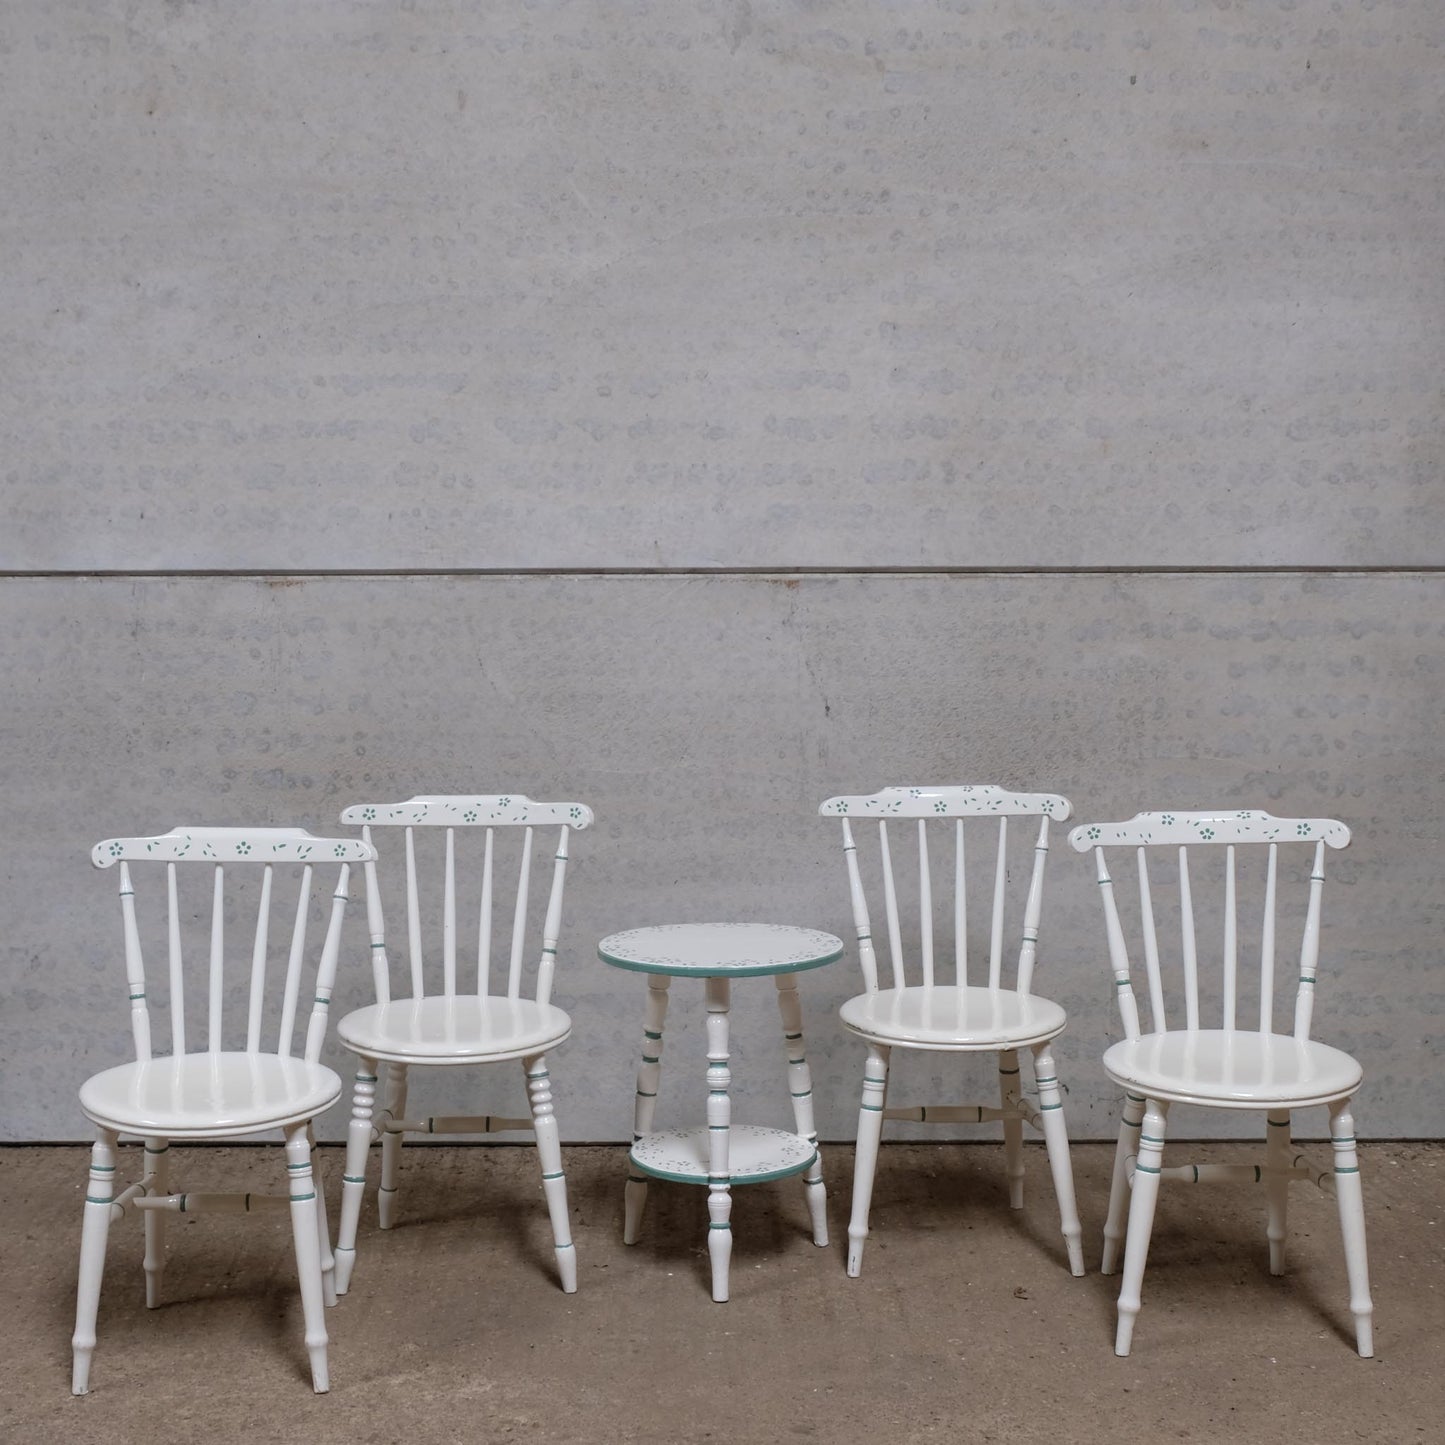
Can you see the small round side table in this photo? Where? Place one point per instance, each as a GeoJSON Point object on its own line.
{"type": "Point", "coordinates": [721, 1153]}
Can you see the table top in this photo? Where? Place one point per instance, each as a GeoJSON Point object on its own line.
{"type": "Point", "coordinates": [726, 950]}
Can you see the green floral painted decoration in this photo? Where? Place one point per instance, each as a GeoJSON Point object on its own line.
{"type": "Point", "coordinates": [368, 814]}
{"type": "Point", "coordinates": [1206, 834]}
{"type": "Point", "coordinates": [243, 847]}
{"type": "Point", "coordinates": [1095, 833]}
{"type": "Point", "coordinates": [470, 816]}
{"type": "Point", "coordinates": [116, 850]}
{"type": "Point", "coordinates": [940, 806]}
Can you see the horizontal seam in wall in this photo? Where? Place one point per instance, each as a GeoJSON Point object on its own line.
{"type": "Point", "coordinates": [308, 573]}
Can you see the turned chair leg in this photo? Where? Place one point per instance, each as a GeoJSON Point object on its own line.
{"type": "Point", "coordinates": [323, 1225]}
{"type": "Point", "coordinates": [549, 1153]}
{"type": "Point", "coordinates": [391, 1142]}
{"type": "Point", "coordinates": [353, 1177]}
{"type": "Point", "coordinates": [1276, 1186]}
{"type": "Point", "coordinates": [1351, 1202]}
{"type": "Point", "coordinates": [93, 1236]}
{"type": "Point", "coordinates": [1013, 1126]}
{"type": "Point", "coordinates": [1141, 1220]}
{"type": "Point", "coordinates": [1056, 1141]}
{"type": "Point", "coordinates": [1126, 1149]}
{"type": "Point", "coordinates": [800, 1086]}
{"type": "Point", "coordinates": [865, 1162]}
{"type": "Point", "coordinates": [157, 1181]}
{"type": "Point", "coordinates": [305, 1237]}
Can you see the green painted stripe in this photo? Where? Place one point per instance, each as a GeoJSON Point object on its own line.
{"type": "Point", "coordinates": [1347, 1168]}
{"type": "Point", "coordinates": [353, 1179]}
{"type": "Point", "coordinates": [1144, 1169]}
{"type": "Point", "coordinates": [552, 951]}
{"type": "Point", "coordinates": [91, 1199]}
{"type": "Point", "coordinates": [792, 1038]}
{"type": "Point", "coordinates": [294, 1167]}
{"type": "Point", "coordinates": [637, 1178]}
{"type": "Point", "coordinates": [652, 1058]}
{"type": "Point", "coordinates": [1304, 978]}
{"type": "Point", "coordinates": [102, 1168]}
{"type": "Point", "coordinates": [648, 1034]}
{"type": "Point", "coordinates": [302, 1198]}
{"type": "Point", "coordinates": [319, 999]}
{"type": "Point", "coordinates": [1195, 1168]}
{"type": "Point", "coordinates": [1047, 1079]}
{"type": "Point", "coordinates": [1136, 1098]}
{"type": "Point", "coordinates": [378, 945]}
{"type": "Point", "coordinates": [806, 1094]}
{"type": "Point", "coordinates": [366, 1078]}
{"type": "Point", "coordinates": [873, 1108]}
{"type": "Point", "coordinates": [557, 1175]}
{"type": "Point", "coordinates": [345, 1248]}
{"type": "Point", "coordinates": [1051, 1106]}
{"type": "Point", "coordinates": [1121, 983]}
{"type": "Point", "coordinates": [728, 1227]}
{"type": "Point", "coordinates": [388, 1188]}
{"type": "Point", "coordinates": [647, 1093]}
{"type": "Point", "coordinates": [1151, 1139]}
{"type": "Point", "coordinates": [135, 997]}
{"type": "Point", "coordinates": [568, 1245]}
{"type": "Point", "coordinates": [715, 1128]}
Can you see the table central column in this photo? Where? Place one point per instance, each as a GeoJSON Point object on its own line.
{"type": "Point", "coordinates": [719, 1117]}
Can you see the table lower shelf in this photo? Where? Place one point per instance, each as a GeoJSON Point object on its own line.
{"type": "Point", "coordinates": [755, 1154]}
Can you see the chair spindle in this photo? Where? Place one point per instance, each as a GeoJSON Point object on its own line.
{"type": "Point", "coordinates": [1118, 951]}
{"type": "Point", "coordinates": [925, 904]}
{"type": "Point", "coordinates": [484, 922]}
{"type": "Point", "coordinates": [413, 918]}
{"type": "Point", "coordinates": [326, 969]}
{"type": "Point", "coordinates": [1310, 948]}
{"type": "Point", "coordinates": [1231, 939]}
{"type": "Point", "coordinates": [449, 916]}
{"type": "Point", "coordinates": [1187, 943]}
{"type": "Point", "coordinates": [173, 949]}
{"type": "Point", "coordinates": [1000, 880]}
{"type": "Point", "coordinates": [552, 923]}
{"type": "Point", "coordinates": [1157, 1021]}
{"type": "Point", "coordinates": [218, 960]}
{"type": "Point", "coordinates": [960, 909]}
{"type": "Point", "coordinates": [890, 904]}
{"type": "Point", "coordinates": [519, 918]}
{"type": "Point", "coordinates": [135, 977]}
{"type": "Point", "coordinates": [1033, 911]}
{"type": "Point", "coordinates": [258, 963]}
{"type": "Point", "coordinates": [1266, 945]}
{"type": "Point", "coordinates": [867, 958]}
{"type": "Point", "coordinates": [376, 929]}
{"type": "Point", "coordinates": [286, 1033]}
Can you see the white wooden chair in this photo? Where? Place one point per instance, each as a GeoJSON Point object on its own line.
{"type": "Point", "coordinates": [960, 1017]}
{"type": "Point", "coordinates": [1229, 1067]}
{"type": "Point", "coordinates": [218, 1092]}
{"type": "Point", "coordinates": [453, 1027]}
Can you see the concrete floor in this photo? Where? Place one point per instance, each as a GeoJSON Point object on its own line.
{"type": "Point", "coordinates": [965, 1325]}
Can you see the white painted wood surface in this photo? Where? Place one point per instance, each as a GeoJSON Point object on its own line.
{"type": "Point", "coordinates": [442, 1022]}
{"type": "Point", "coordinates": [219, 1093]}
{"type": "Point", "coordinates": [953, 1016]}
{"type": "Point", "coordinates": [1230, 1067]}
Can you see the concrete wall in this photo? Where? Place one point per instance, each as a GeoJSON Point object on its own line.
{"type": "Point", "coordinates": [528, 335]}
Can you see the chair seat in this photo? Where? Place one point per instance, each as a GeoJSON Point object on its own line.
{"type": "Point", "coordinates": [209, 1096]}
{"type": "Point", "coordinates": [953, 1018]}
{"type": "Point", "coordinates": [464, 1029]}
{"type": "Point", "coordinates": [1232, 1068]}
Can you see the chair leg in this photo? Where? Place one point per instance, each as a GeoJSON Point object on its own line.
{"type": "Point", "coordinates": [649, 1075]}
{"type": "Point", "coordinates": [391, 1142]}
{"type": "Point", "coordinates": [157, 1181]}
{"type": "Point", "coordinates": [1056, 1141]}
{"type": "Point", "coordinates": [93, 1235]}
{"type": "Point", "coordinates": [353, 1178]}
{"type": "Point", "coordinates": [305, 1237]}
{"type": "Point", "coordinates": [1352, 1224]}
{"type": "Point", "coordinates": [323, 1225]}
{"type": "Point", "coordinates": [1013, 1127]}
{"type": "Point", "coordinates": [1126, 1149]}
{"type": "Point", "coordinates": [1141, 1220]}
{"type": "Point", "coordinates": [549, 1152]}
{"type": "Point", "coordinates": [1277, 1186]}
{"type": "Point", "coordinates": [865, 1163]}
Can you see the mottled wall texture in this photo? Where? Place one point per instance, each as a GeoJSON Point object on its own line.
{"type": "Point", "coordinates": [702, 408]}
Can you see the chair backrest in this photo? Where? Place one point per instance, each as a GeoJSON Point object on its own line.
{"type": "Point", "coordinates": [955, 811]}
{"type": "Point", "coordinates": [288, 869]}
{"type": "Point", "coordinates": [1218, 836]}
{"type": "Point", "coordinates": [492, 821]}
